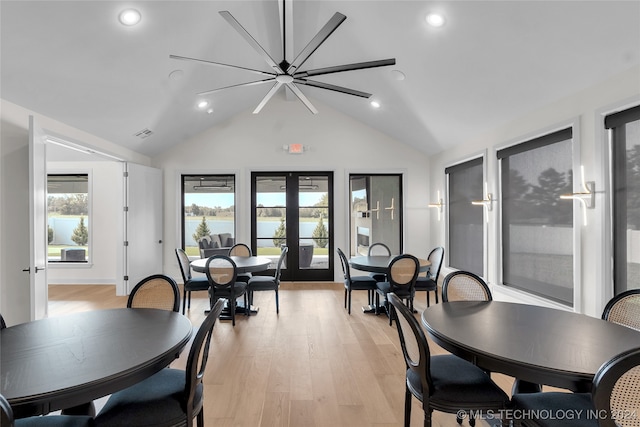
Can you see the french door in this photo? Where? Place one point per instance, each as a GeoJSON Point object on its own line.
{"type": "Point", "coordinates": [294, 209]}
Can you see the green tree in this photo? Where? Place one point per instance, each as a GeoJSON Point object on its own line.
{"type": "Point", "coordinates": [49, 234]}
{"type": "Point", "coordinates": [195, 209]}
{"type": "Point", "coordinates": [280, 235]}
{"type": "Point", "coordinates": [202, 230]}
{"type": "Point", "coordinates": [320, 234]}
{"type": "Point", "coordinates": [80, 234]}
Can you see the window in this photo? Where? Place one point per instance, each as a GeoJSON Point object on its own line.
{"type": "Point", "coordinates": [537, 227]}
{"type": "Point", "coordinates": [625, 149]}
{"type": "Point", "coordinates": [465, 222]}
{"type": "Point", "coordinates": [375, 212]}
{"type": "Point", "coordinates": [68, 217]}
{"type": "Point", "coordinates": [208, 208]}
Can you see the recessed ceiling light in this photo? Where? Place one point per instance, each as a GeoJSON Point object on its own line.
{"type": "Point", "coordinates": [210, 111]}
{"type": "Point", "coordinates": [375, 104]}
{"type": "Point", "coordinates": [435, 19]}
{"type": "Point", "coordinates": [176, 74]}
{"type": "Point", "coordinates": [203, 104]}
{"type": "Point", "coordinates": [129, 17]}
{"type": "Point", "coordinates": [398, 75]}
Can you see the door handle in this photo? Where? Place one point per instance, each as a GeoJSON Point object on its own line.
{"type": "Point", "coordinates": [38, 269]}
{"type": "Point", "coordinates": [160, 241]}
{"type": "Point", "coordinates": [28, 269]}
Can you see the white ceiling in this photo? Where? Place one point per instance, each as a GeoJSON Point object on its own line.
{"type": "Point", "coordinates": [492, 62]}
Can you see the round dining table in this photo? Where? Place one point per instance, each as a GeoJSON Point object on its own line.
{"type": "Point", "coordinates": [536, 345]}
{"type": "Point", "coordinates": [244, 264]}
{"type": "Point", "coordinates": [66, 361]}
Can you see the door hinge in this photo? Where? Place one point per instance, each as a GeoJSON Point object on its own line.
{"type": "Point", "coordinates": [126, 208]}
{"type": "Point", "coordinates": [125, 174]}
{"type": "Point", "coordinates": [126, 277]}
{"type": "Point", "coordinates": [126, 243]}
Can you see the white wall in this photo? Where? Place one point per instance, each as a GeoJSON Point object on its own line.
{"type": "Point", "coordinates": [588, 106]}
{"type": "Point", "coordinates": [106, 198]}
{"type": "Point", "coordinates": [336, 143]}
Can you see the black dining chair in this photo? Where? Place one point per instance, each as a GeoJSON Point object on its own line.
{"type": "Point", "coordinates": [357, 283]}
{"type": "Point", "coordinates": [401, 279]}
{"type": "Point", "coordinates": [444, 382]}
{"type": "Point", "coordinates": [429, 283]}
{"type": "Point", "coordinates": [7, 420]}
{"type": "Point", "coordinates": [624, 309]}
{"type": "Point", "coordinates": [378, 249]}
{"type": "Point", "coordinates": [222, 273]}
{"type": "Point", "coordinates": [172, 397]}
{"type": "Point", "coordinates": [241, 249]}
{"type": "Point", "coordinates": [465, 286]}
{"type": "Point", "coordinates": [614, 399]}
{"type": "Point", "coordinates": [2, 322]}
{"type": "Point", "coordinates": [155, 291]}
{"type": "Point", "coordinates": [268, 283]}
{"type": "Point", "coordinates": [191, 283]}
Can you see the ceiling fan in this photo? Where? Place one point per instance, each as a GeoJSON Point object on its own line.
{"type": "Point", "coordinates": [289, 74]}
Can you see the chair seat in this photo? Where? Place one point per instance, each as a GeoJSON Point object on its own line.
{"type": "Point", "coordinates": [425, 284]}
{"type": "Point", "coordinates": [361, 283]}
{"type": "Point", "coordinates": [55, 421]}
{"type": "Point", "coordinates": [578, 408]}
{"type": "Point", "coordinates": [196, 284]}
{"type": "Point", "coordinates": [385, 287]}
{"type": "Point", "coordinates": [459, 381]}
{"type": "Point", "coordinates": [239, 289]}
{"type": "Point", "coordinates": [378, 277]}
{"type": "Point", "coordinates": [262, 283]}
{"type": "Point", "coordinates": [154, 402]}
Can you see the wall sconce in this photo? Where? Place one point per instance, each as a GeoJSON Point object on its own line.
{"type": "Point", "coordinates": [439, 205]}
{"type": "Point", "coordinates": [587, 197]}
{"type": "Point", "coordinates": [487, 202]}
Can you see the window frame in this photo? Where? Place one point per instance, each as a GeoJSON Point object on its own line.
{"type": "Point", "coordinates": [482, 157]}
{"type": "Point", "coordinates": [89, 257]}
{"type": "Point", "coordinates": [574, 125]}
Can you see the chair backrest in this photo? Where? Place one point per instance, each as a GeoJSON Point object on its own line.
{"type": "Point", "coordinates": [413, 341]}
{"type": "Point", "coordinates": [155, 291]}
{"type": "Point", "coordinates": [2, 322]}
{"type": "Point", "coordinates": [283, 256]}
{"type": "Point", "coordinates": [221, 271]}
{"type": "Point", "coordinates": [379, 248]}
{"type": "Point", "coordinates": [240, 249]}
{"type": "Point", "coordinates": [185, 265]}
{"type": "Point", "coordinates": [435, 257]}
{"type": "Point", "coordinates": [402, 274]}
{"type": "Point", "coordinates": [345, 266]}
{"type": "Point", "coordinates": [6, 413]}
{"type": "Point", "coordinates": [465, 286]}
{"type": "Point", "coordinates": [197, 360]}
{"type": "Point", "coordinates": [624, 309]}
{"type": "Point", "coordinates": [616, 390]}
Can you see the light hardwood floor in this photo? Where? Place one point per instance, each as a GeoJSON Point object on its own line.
{"type": "Point", "coordinates": [311, 365]}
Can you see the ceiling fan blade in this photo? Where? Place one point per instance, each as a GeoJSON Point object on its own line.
{"type": "Point", "coordinates": [315, 43]}
{"type": "Point", "coordinates": [302, 98]}
{"type": "Point", "coordinates": [267, 97]}
{"type": "Point", "coordinates": [245, 34]}
{"type": "Point", "coordinates": [286, 28]}
{"type": "Point", "coordinates": [185, 58]}
{"type": "Point", "coordinates": [257, 82]}
{"type": "Point", "coordinates": [328, 86]}
{"type": "Point", "coordinates": [346, 67]}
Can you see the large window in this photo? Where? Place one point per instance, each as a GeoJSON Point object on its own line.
{"type": "Point", "coordinates": [68, 217]}
{"type": "Point", "coordinates": [376, 212]}
{"type": "Point", "coordinates": [625, 129]}
{"type": "Point", "coordinates": [537, 227]}
{"type": "Point", "coordinates": [208, 209]}
{"type": "Point", "coordinates": [465, 222]}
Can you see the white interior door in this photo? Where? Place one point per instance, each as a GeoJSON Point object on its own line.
{"type": "Point", "coordinates": [143, 223]}
{"type": "Point", "coordinates": [37, 221]}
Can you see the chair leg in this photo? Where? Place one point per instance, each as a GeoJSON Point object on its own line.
{"type": "Point", "coordinates": [200, 418]}
{"type": "Point", "coordinates": [277, 302]}
{"type": "Point", "coordinates": [427, 298]}
{"type": "Point", "coordinates": [349, 302]}
{"type": "Point", "coordinates": [345, 297]}
{"type": "Point", "coordinates": [184, 300]}
{"type": "Point", "coordinates": [232, 309]}
{"type": "Point", "coordinates": [436, 292]}
{"type": "Point", "coordinates": [407, 407]}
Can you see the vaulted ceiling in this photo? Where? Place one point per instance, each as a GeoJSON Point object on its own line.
{"type": "Point", "coordinates": [491, 62]}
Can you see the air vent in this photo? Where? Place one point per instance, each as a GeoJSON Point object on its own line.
{"type": "Point", "coordinates": [144, 133]}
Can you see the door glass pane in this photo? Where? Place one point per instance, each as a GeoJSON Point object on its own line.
{"type": "Point", "coordinates": [271, 211]}
{"type": "Point", "coordinates": [632, 133]}
{"type": "Point", "coordinates": [313, 222]}
{"type": "Point", "coordinates": [208, 210]}
{"type": "Point", "coordinates": [376, 212]}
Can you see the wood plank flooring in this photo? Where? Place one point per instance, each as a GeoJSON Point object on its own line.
{"type": "Point", "coordinates": [312, 365]}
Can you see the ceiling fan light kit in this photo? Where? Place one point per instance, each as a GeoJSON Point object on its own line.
{"type": "Point", "coordinates": [289, 74]}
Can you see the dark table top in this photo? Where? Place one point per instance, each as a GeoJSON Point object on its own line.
{"type": "Point", "coordinates": [243, 264]}
{"type": "Point", "coordinates": [61, 362]}
{"type": "Point", "coordinates": [536, 344]}
{"type": "Point", "coordinates": [380, 263]}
